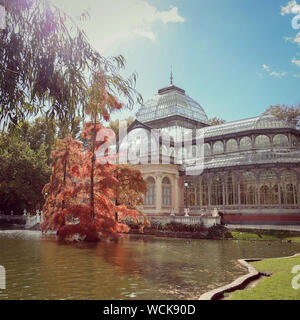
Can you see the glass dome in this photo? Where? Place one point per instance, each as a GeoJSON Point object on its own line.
{"type": "Point", "coordinates": [171, 101]}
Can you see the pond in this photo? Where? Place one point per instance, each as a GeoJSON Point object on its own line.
{"type": "Point", "coordinates": [137, 267]}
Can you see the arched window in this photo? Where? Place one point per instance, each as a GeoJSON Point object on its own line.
{"type": "Point", "coordinates": [248, 188]}
{"type": "Point", "coordinates": [231, 145]}
{"type": "Point", "coordinates": [150, 195]}
{"type": "Point", "coordinates": [216, 191]}
{"type": "Point", "coordinates": [218, 147]}
{"type": "Point", "coordinates": [207, 150]}
{"type": "Point", "coordinates": [268, 187]}
{"type": "Point", "coordinates": [288, 187]}
{"type": "Point", "coordinates": [262, 141]}
{"type": "Point", "coordinates": [280, 140]}
{"type": "Point", "coordinates": [166, 192]}
{"type": "Point", "coordinates": [245, 143]}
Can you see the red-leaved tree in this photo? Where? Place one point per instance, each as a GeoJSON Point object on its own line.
{"type": "Point", "coordinates": [85, 204]}
{"type": "Point", "coordinates": [67, 153]}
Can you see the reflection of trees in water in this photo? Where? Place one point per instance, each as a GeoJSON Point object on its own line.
{"type": "Point", "coordinates": [57, 271]}
{"type": "Point", "coordinates": [143, 259]}
{"type": "Point", "coordinates": [180, 269]}
{"type": "Point", "coordinates": [120, 256]}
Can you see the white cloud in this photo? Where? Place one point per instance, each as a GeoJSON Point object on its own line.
{"type": "Point", "coordinates": [114, 21]}
{"type": "Point", "coordinates": [279, 75]}
{"type": "Point", "coordinates": [294, 40]}
{"type": "Point", "coordinates": [265, 67]}
{"type": "Point", "coordinates": [171, 15]}
{"type": "Point", "coordinates": [296, 75]}
{"type": "Point", "coordinates": [267, 71]}
{"type": "Point", "coordinates": [287, 9]}
{"type": "Point", "coordinates": [296, 62]}
{"type": "Point", "coordinates": [297, 38]}
{"type": "Point", "coordinates": [146, 34]}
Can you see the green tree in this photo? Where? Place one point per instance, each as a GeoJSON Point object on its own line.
{"type": "Point", "coordinates": [114, 126]}
{"type": "Point", "coordinates": [290, 114]}
{"type": "Point", "coordinates": [23, 174]}
{"type": "Point", "coordinates": [215, 121]}
{"type": "Point", "coordinates": [46, 131]}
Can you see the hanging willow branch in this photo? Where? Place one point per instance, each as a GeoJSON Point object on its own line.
{"type": "Point", "coordinates": [47, 64]}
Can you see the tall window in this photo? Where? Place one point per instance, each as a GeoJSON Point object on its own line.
{"type": "Point", "coordinates": [288, 187]}
{"type": "Point", "coordinates": [216, 191]}
{"type": "Point", "coordinates": [166, 192]}
{"type": "Point", "coordinates": [150, 195]}
{"type": "Point", "coordinates": [230, 189]}
{"type": "Point", "coordinates": [268, 188]}
{"type": "Point", "coordinates": [204, 191]}
{"type": "Point", "coordinates": [248, 188]}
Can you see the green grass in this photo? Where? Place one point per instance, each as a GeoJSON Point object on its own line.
{"type": "Point", "coordinates": [251, 236]}
{"type": "Point", "coordinates": [276, 287]}
{"type": "Point", "coordinates": [266, 235]}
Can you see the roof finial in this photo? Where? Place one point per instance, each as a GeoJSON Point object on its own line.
{"type": "Point", "coordinates": [171, 76]}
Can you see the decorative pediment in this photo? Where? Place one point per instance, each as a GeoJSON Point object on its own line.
{"type": "Point", "coordinates": [136, 125]}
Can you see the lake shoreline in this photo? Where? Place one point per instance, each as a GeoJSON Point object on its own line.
{"type": "Point", "coordinates": [244, 282]}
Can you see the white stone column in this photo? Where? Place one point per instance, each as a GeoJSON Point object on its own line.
{"type": "Point", "coordinates": [158, 195]}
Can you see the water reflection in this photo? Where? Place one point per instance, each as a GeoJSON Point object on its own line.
{"type": "Point", "coordinates": [137, 267]}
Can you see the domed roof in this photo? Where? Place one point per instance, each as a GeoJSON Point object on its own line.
{"type": "Point", "coordinates": [171, 101]}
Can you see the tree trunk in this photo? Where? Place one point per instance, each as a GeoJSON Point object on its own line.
{"type": "Point", "coordinates": [92, 171]}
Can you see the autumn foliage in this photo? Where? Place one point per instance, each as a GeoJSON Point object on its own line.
{"type": "Point", "coordinates": [87, 197]}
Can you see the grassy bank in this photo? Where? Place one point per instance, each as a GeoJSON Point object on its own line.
{"type": "Point", "coordinates": [266, 235]}
{"type": "Point", "coordinates": [276, 287]}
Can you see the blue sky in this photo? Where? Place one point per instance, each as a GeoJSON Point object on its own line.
{"type": "Point", "coordinates": [236, 58]}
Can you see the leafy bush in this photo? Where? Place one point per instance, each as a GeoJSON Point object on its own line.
{"type": "Point", "coordinates": [180, 227]}
{"type": "Point", "coordinates": [218, 231]}
{"type": "Point", "coordinates": [172, 226]}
